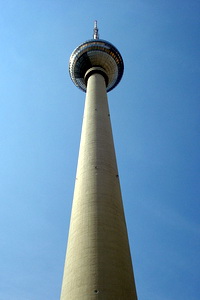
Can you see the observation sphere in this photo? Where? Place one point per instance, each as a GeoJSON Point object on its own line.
{"type": "Point", "coordinates": [96, 53]}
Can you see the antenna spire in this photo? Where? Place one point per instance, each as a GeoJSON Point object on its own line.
{"type": "Point", "coordinates": [95, 34]}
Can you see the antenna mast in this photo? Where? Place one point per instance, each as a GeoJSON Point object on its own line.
{"type": "Point", "coordinates": [96, 34]}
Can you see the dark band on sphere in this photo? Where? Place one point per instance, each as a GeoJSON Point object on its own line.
{"type": "Point", "coordinates": [94, 71]}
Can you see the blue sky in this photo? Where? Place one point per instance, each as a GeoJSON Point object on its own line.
{"type": "Point", "coordinates": [156, 125]}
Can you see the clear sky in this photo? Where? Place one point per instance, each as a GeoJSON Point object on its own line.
{"type": "Point", "coordinates": [155, 113]}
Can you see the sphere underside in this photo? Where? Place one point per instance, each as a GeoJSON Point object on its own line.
{"type": "Point", "coordinates": [96, 53]}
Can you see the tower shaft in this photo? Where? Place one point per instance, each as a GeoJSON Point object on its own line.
{"type": "Point", "coordinates": [98, 262]}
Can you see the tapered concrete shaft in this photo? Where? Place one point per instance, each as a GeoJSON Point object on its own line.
{"type": "Point", "coordinates": [98, 263]}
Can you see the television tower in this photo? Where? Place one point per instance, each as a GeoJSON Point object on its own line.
{"type": "Point", "coordinates": [98, 261]}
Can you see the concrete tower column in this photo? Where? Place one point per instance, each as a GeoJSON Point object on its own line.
{"type": "Point", "coordinates": [98, 262]}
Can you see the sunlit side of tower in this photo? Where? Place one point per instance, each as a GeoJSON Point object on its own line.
{"type": "Point", "coordinates": [98, 261]}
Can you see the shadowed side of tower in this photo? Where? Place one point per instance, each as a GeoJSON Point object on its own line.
{"type": "Point", "coordinates": [98, 262]}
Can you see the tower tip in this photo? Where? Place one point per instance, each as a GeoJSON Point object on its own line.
{"type": "Point", "coordinates": [95, 34]}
